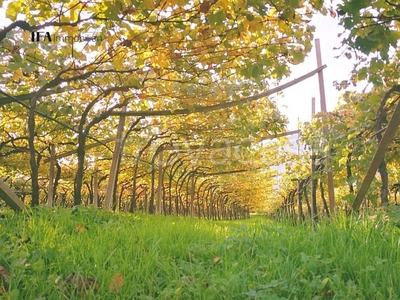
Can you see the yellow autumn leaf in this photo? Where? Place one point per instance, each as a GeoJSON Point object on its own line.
{"type": "Point", "coordinates": [72, 14]}
{"type": "Point", "coordinates": [81, 228]}
{"type": "Point", "coordinates": [149, 4]}
{"type": "Point", "coordinates": [254, 25]}
{"type": "Point", "coordinates": [161, 60]}
{"type": "Point", "coordinates": [224, 4]}
{"type": "Point", "coordinates": [72, 31]}
{"type": "Point", "coordinates": [17, 75]}
{"type": "Point", "coordinates": [146, 54]}
{"type": "Point", "coordinates": [13, 9]}
{"type": "Point", "coordinates": [117, 62]}
{"type": "Point", "coordinates": [190, 100]}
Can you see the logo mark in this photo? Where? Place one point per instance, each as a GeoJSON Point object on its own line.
{"type": "Point", "coordinates": [40, 36]}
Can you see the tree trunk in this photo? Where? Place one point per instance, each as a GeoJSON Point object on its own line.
{"type": "Point", "coordinates": [384, 183]}
{"type": "Point", "coordinates": [306, 199]}
{"type": "Point", "coordinates": [381, 120]}
{"type": "Point", "coordinates": [349, 173]}
{"type": "Point", "coordinates": [57, 178]}
{"type": "Point", "coordinates": [32, 153]}
{"type": "Point", "coordinates": [78, 181]}
{"type": "Point", "coordinates": [321, 185]}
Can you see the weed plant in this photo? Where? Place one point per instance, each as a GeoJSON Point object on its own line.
{"type": "Point", "coordinates": [167, 257]}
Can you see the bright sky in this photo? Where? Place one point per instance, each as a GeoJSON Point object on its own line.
{"type": "Point", "coordinates": [295, 101]}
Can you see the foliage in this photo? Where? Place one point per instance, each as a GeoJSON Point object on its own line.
{"type": "Point", "coordinates": [157, 58]}
{"type": "Point", "coordinates": [372, 35]}
{"type": "Point", "coordinates": [345, 140]}
{"type": "Point", "coordinates": [351, 141]}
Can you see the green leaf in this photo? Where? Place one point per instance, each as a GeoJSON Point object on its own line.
{"type": "Point", "coordinates": [111, 12]}
{"type": "Point", "coordinates": [14, 66]}
{"type": "Point", "coordinates": [247, 71]}
{"type": "Point", "coordinates": [362, 74]}
{"type": "Point", "coordinates": [349, 198]}
{"type": "Point", "coordinates": [298, 57]}
{"type": "Point", "coordinates": [256, 72]}
{"type": "Point", "coordinates": [217, 18]}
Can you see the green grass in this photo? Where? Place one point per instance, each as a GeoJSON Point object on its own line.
{"type": "Point", "coordinates": [183, 258]}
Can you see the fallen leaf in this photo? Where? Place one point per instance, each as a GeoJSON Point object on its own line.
{"type": "Point", "coordinates": [117, 283]}
{"type": "Point", "coordinates": [4, 275]}
{"type": "Point", "coordinates": [81, 228]}
{"type": "Point", "coordinates": [217, 260]}
{"type": "Point", "coordinates": [80, 285]}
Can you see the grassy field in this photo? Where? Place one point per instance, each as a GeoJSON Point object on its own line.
{"type": "Point", "coordinates": [89, 254]}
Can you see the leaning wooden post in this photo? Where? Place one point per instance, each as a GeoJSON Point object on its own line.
{"type": "Point", "coordinates": [313, 179]}
{"type": "Point", "coordinates": [95, 188]}
{"type": "Point", "coordinates": [114, 163]}
{"type": "Point", "coordinates": [331, 189]}
{"type": "Point", "coordinates": [11, 199]}
{"type": "Point", "coordinates": [160, 181]}
{"type": "Point", "coordinates": [50, 194]}
{"type": "Point", "coordinates": [388, 136]}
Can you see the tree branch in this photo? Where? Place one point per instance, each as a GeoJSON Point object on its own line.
{"type": "Point", "coordinates": [227, 104]}
{"type": "Point", "coordinates": [21, 24]}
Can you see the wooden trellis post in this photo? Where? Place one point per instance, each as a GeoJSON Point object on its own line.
{"type": "Point", "coordinates": [192, 195]}
{"type": "Point", "coordinates": [388, 136]}
{"type": "Point", "coordinates": [8, 195]}
{"type": "Point", "coordinates": [114, 163]}
{"type": "Point", "coordinates": [313, 180]}
{"type": "Point", "coordinates": [331, 189]}
{"type": "Point", "coordinates": [50, 194]}
{"type": "Point", "coordinates": [95, 188]}
{"type": "Point", "coordinates": [160, 181]}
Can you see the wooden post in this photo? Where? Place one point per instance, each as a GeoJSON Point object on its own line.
{"type": "Point", "coordinates": [192, 196]}
{"type": "Point", "coordinates": [8, 195]}
{"type": "Point", "coordinates": [50, 194]}
{"type": "Point", "coordinates": [312, 107]}
{"type": "Point", "coordinates": [95, 188]}
{"type": "Point", "coordinates": [114, 163]}
{"type": "Point", "coordinates": [331, 189]}
{"type": "Point", "coordinates": [299, 207]}
{"type": "Point", "coordinates": [160, 181]}
{"type": "Point", "coordinates": [394, 123]}
{"type": "Point", "coordinates": [313, 180]}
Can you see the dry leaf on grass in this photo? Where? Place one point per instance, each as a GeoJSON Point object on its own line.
{"type": "Point", "coordinates": [116, 283]}
{"type": "Point", "coordinates": [80, 285]}
{"type": "Point", "coordinates": [81, 228]}
{"type": "Point", "coordinates": [217, 260]}
{"type": "Point", "coordinates": [4, 275]}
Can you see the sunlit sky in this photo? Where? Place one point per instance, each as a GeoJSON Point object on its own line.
{"type": "Point", "coordinates": [295, 101]}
